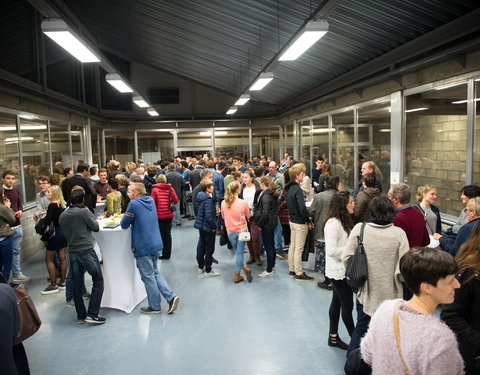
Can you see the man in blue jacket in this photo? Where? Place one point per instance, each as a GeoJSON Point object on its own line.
{"type": "Point", "coordinates": [147, 246]}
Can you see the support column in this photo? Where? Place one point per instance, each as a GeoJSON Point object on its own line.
{"type": "Point", "coordinates": [397, 135]}
{"type": "Point", "coordinates": [104, 150]}
{"type": "Point", "coordinates": [470, 131]}
{"type": "Point", "coordinates": [250, 141]}
{"type": "Point", "coordinates": [135, 145]}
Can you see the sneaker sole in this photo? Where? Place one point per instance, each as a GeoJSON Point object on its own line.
{"type": "Point", "coordinates": [48, 292]}
{"type": "Point", "coordinates": [151, 312]}
{"type": "Point", "coordinates": [80, 321]}
{"type": "Point", "coordinates": [264, 276]}
{"type": "Point", "coordinates": [209, 274]}
{"type": "Point", "coordinates": [94, 321]}
{"type": "Point", "coordinates": [303, 279]}
{"type": "Point", "coordinates": [172, 309]}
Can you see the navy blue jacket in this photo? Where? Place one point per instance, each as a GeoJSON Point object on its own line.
{"type": "Point", "coordinates": [218, 184]}
{"type": "Point", "coordinates": [451, 246]}
{"type": "Point", "coordinates": [206, 214]}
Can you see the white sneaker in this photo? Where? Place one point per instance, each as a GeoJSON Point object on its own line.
{"type": "Point", "coordinates": [200, 270]}
{"type": "Point", "coordinates": [20, 278]}
{"type": "Point", "coordinates": [212, 273]}
{"type": "Point", "coordinates": [265, 274]}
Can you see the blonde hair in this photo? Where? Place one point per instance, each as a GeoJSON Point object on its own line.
{"type": "Point", "coordinates": [296, 170]}
{"type": "Point", "coordinates": [473, 204]}
{"type": "Point", "coordinates": [161, 179]}
{"type": "Point", "coordinates": [233, 189]}
{"type": "Point", "coordinates": [122, 179]}
{"type": "Point", "coordinates": [139, 187]}
{"type": "Point", "coordinates": [57, 196]}
{"type": "Point", "coordinates": [130, 166]}
{"type": "Point", "coordinates": [205, 184]}
{"type": "Point", "coordinates": [423, 190]}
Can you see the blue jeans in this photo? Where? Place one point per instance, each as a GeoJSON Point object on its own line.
{"type": "Point", "coordinates": [69, 286]}
{"type": "Point", "coordinates": [154, 282]}
{"type": "Point", "coordinates": [278, 235]}
{"type": "Point", "coordinates": [81, 261]}
{"type": "Point", "coordinates": [177, 219]}
{"type": "Point", "coordinates": [268, 240]}
{"type": "Point", "coordinates": [239, 247]}
{"type": "Point", "coordinates": [6, 255]}
{"type": "Point", "coordinates": [17, 242]}
{"type": "Point", "coordinates": [363, 322]}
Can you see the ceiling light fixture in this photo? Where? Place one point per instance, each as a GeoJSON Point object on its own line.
{"type": "Point", "coordinates": [116, 81]}
{"type": "Point", "coordinates": [63, 35]}
{"type": "Point", "coordinates": [138, 100]}
{"type": "Point", "coordinates": [464, 101]}
{"type": "Point", "coordinates": [15, 139]}
{"type": "Point", "coordinates": [232, 110]}
{"type": "Point", "coordinates": [416, 109]}
{"type": "Point", "coordinates": [326, 130]}
{"type": "Point", "coordinates": [243, 99]}
{"type": "Point", "coordinates": [217, 132]}
{"type": "Point", "coordinates": [151, 111]}
{"type": "Point", "coordinates": [263, 80]}
{"type": "Point", "coordinates": [311, 33]}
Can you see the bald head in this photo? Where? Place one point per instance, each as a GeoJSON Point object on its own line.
{"type": "Point", "coordinates": [368, 167]}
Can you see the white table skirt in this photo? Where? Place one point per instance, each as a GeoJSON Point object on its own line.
{"type": "Point", "coordinates": [124, 288]}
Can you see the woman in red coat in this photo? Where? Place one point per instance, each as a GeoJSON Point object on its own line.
{"type": "Point", "coordinates": [163, 194]}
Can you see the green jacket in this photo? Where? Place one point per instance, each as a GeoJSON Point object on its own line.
{"type": "Point", "coordinates": [6, 217]}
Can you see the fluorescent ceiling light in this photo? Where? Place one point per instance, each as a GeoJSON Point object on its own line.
{"type": "Point", "coordinates": [60, 33]}
{"type": "Point", "coordinates": [28, 117]}
{"type": "Point", "coordinates": [232, 110]}
{"type": "Point", "coordinates": [450, 85]}
{"type": "Point", "coordinates": [23, 127]}
{"type": "Point", "coordinates": [15, 139]}
{"type": "Point", "coordinates": [325, 130]}
{"type": "Point", "coordinates": [416, 109]}
{"type": "Point", "coordinates": [243, 99]}
{"type": "Point", "coordinates": [312, 32]}
{"type": "Point", "coordinates": [151, 111]}
{"type": "Point", "coordinates": [116, 81]}
{"type": "Point", "coordinates": [138, 100]}
{"type": "Point", "coordinates": [384, 130]}
{"type": "Point", "coordinates": [464, 101]}
{"type": "Point", "coordinates": [262, 81]}
{"type": "Point", "coordinates": [217, 132]}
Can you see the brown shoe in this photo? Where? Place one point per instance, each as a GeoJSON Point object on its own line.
{"type": "Point", "coordinates": [251, 259]}
{"type": "Point", "coordinates": [282, 255]}
{"type": "Point", "coordinates": [258, 261]}
{"type": "Point", "coordinates": [237, 278]}
{"type": "Point", "coordinates": [248, 273]}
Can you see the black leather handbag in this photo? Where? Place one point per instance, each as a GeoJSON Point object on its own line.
{"type": "Point", "coordinates": [356, 271]}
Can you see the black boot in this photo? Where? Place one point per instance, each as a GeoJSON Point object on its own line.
{"type": "Point", "coordinates": [336, 341]}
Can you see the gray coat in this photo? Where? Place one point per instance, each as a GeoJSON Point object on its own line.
{"type": "Point", "coordinates": [176, 180]}
{"type": "Point", "coordinates": [319, 211]}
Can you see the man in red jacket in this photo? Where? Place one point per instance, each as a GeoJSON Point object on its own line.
{"type": "Point", "coordinates": [407, 217]}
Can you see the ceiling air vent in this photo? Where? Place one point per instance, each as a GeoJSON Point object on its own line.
{"type": "Point", "coordinates": [163, 95]}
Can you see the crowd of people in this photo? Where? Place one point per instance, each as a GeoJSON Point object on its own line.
{"type": "Point", "coordinates": [276, 209]}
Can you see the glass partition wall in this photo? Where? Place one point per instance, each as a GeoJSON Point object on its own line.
{"type": "Point", "coordinates": [436, 140]}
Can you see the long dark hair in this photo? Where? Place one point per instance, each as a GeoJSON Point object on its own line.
{"type": "Point", "coordinates": [338, 210]}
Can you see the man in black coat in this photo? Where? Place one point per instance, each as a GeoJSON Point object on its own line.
{"type": "Point", "coordinates": [80, 179]}
{"type": "Point", "coordinates": [176, 180]}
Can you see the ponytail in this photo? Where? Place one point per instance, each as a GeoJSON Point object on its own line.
{"type": "Point", "coordinates": [231, 194]}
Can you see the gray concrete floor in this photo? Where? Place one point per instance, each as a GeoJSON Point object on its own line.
{"type": "Point", "coordinates": [270, 326]}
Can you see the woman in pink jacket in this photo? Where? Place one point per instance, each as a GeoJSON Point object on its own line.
{"type": "Point", "coordinates": [235, 212]}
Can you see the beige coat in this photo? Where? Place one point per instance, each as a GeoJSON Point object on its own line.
{"type": "Point", "coordinates": [384, 246]}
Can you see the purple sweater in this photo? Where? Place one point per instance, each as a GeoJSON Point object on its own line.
{"type": "Point", "coordinates": [428, 345]}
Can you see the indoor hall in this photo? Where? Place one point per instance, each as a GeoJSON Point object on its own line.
{"type": "Point", "coordinates": [395, 82]}
{"type": "Point", "coordinates": [275, 325]}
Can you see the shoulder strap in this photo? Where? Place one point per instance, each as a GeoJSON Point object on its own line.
{"type": "Point", "coordinates": [419, 208]}
{"type": "Point", "coordinates": [397, 338]}
{"type": "Point", "coordinates": [465, 274]}
{"type": "Point", "coordinates": [360, 238]}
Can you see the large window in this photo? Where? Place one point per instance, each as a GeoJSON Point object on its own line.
{"type": "Point", "coordinates": [266, 142]}
{"type": "Point", "coordinates": [374, 139]}
{"type": "Point", "coordinates": [9, 146]}
{"type": "Point", "coordinates": [233, 142]}
{"type": "Point", "coordinates": [320, 133]}
{"type": "Point", "coordinates": [343, 161]}
{"type": "Point", "coordinates": [435, 148]}
{"type": "Point", "coordinates": [155, 146]}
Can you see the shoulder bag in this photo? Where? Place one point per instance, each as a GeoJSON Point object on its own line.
{"type": "Point", "coordinates": [172, 205]}
{"type": "Point", "coordinates": [356, 270]}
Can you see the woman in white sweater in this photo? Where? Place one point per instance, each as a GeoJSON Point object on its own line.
{"type": "Point", "coordinates": [384, 246]}
{"type": "Point", "coordinates": [336, 230]}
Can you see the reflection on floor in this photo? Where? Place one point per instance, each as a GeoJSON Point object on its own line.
{"type": "Point", "coordinates": [272, 326]}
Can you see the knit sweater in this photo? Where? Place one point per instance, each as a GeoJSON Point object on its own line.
{"type": "Point", "coordinates": [428, 345]}
{"type": "Point", "coordinates": [319, 211]}
{"type": "Point", "coordinates": [413, 224]}
{"type": "Point", "coordinates": [13, 195]}
{"type": "Point", "coordinates": [384, 246]}
{"type": "Point", "coordinates": [335, 241]}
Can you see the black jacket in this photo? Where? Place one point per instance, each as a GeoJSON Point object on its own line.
{"type": "Point", "coordinates": [148, 182]}
{"type": "Point", "coordinates": [463, 317]}
{"type": "Point", "coordinates": [266, 210]}
{"type": "Point", "coordinates": [90, 193]}
{"type": "Point", "coordinates": [297, 211]}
